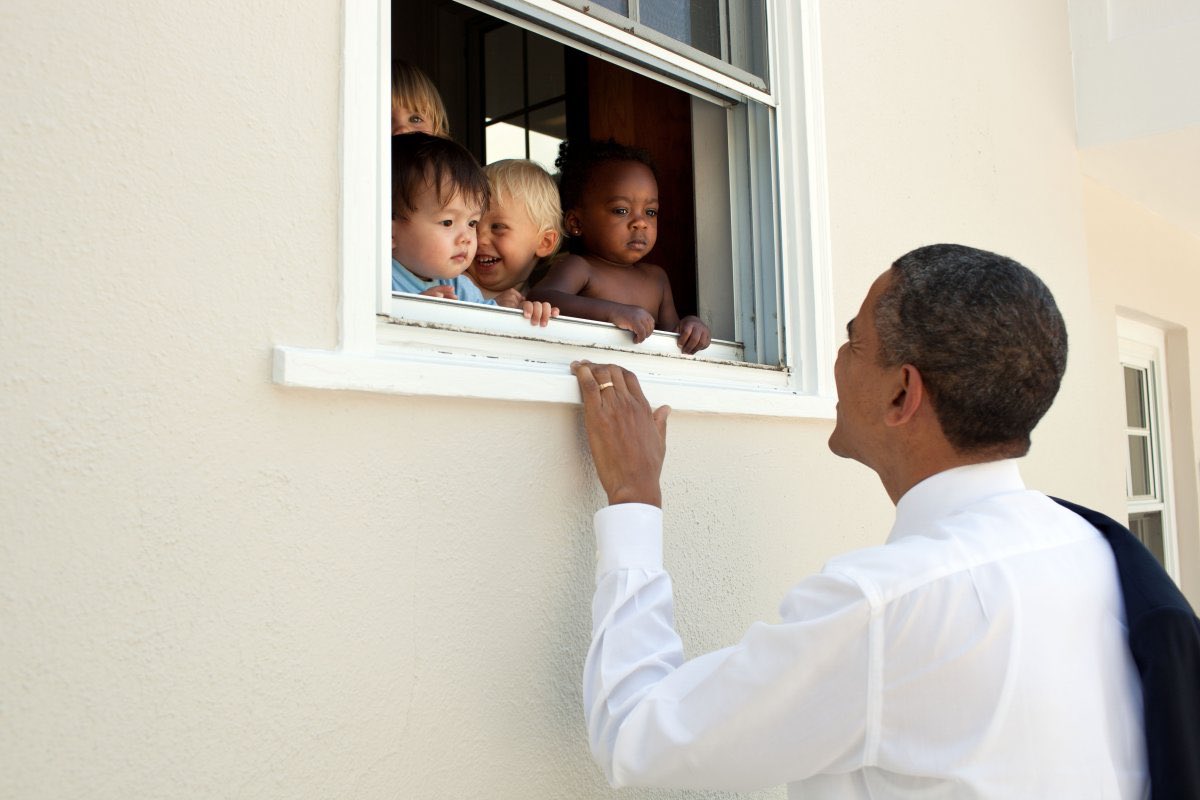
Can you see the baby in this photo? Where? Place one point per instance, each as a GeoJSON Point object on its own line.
{"type": "Point", "coordinates": [416, 104]}
{"type": "Point", "coordinates": [438, 195]}
{"type": "Point", "coordinates": [610, 199]}
{"type": "Point", "coordinates": [519, 232]}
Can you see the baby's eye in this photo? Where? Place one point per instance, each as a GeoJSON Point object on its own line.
{"type": "Point", "coordinates": [446, 223]}
{"type": "Point", "coordinates": [620, 211]}
{"type": "Point", "coordinates": [499, 226]}
{"type": "Point", "coordinates": [651, 212]}
{"type": "Point", "coordinates": [473, 223]}
{"type": "Point", "coordinates": [416, 119]}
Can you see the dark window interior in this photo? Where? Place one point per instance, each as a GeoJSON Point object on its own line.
{"type": "Point", "coordinates": [519, 93]}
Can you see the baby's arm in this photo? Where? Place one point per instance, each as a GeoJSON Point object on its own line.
{"type": "Point", "coordinates": [693, 333]}
{"type": "Point", "coordinates": [561, 288]}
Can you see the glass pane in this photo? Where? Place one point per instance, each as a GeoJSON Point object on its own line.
{"type": "Point", "coordinates": [546, 71]}
{"type": "Point", "coordinates": [547, 129]}
{"type": "Point", "coordinates": [748, 36]}
{"type": "Point", "coordinates": [1140, 484]}
{"type": "Point", "coordinates": [1147, 526]}
{"type": "Point", "coordinates": [1135, 394]}
{"type": "Point", "coordinates": [696, 23]}
{"type": "Point", "coordinates": [504, 90]}
{"type": "Point", "coordinates": [503, 140]}
{"type": "Point", "coordinates": [619, 6]}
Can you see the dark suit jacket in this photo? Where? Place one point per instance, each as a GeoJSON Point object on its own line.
{"type": "Point", "coordinates": [1164, 637]}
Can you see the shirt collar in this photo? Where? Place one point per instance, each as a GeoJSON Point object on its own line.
{"type": "Point", "coordinates": [943, 494]}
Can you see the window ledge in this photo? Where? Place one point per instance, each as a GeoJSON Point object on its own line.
{"type": "Point", "coordinates": [452, 364]}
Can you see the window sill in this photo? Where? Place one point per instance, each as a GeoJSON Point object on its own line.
{"type": "Point", "coordinates": [528, 364]}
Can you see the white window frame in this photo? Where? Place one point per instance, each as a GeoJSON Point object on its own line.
{"type": "Point", "coordinates": [1143, 347]}
{"type": "Point", "coordinates": [442, 356]}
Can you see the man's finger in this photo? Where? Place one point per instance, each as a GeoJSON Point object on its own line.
{"type": "Point", "coordinates": [660, 420]}
{"type": "Point", "coordinates": [589, 387]}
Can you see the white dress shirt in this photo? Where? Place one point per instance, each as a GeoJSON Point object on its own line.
{"type": "Point", "coordinates": [979, 653]}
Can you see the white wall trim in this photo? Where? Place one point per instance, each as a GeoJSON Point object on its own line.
{"type": "Point", "coordinates": [423, 359]}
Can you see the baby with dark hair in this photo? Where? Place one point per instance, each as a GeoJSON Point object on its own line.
{"type": "Point", "coordinates": [610, 209]}
{"type": "Point", "coordinates": [438, 195]}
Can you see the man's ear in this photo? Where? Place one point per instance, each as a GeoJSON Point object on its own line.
{"type": "Point", "coordinates": [546, 244]}
{"type": "Point", "coordinates": [908, 398]}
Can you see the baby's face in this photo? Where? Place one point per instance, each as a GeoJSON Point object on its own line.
{"type": "Point", "coordinates": [409, 120]}
{"type": "Point", "coordinates": [617, 217]}
{"type": "Point", "coordinates": [510, 243]}
{"type": "Point", "coordinates": [436, 241]}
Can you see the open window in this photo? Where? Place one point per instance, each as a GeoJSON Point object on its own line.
{"type": "Point", "coordinates": [524, 86]}
{"type": "Point", "coordinates": [734, 121]}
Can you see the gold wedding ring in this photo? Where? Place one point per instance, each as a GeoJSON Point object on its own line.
{"type": "Point", "coordinates": [606, 385]}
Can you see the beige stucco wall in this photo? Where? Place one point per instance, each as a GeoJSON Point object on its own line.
{"type": "Point", "coordinates": [1146, 269]}
{"type": "Point", "coordinates": [211, 586]}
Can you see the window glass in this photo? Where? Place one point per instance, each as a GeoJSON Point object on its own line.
{"type": "Point", "coordinates": [1139, 466]}
{"type": "Point", "coordinates": [545, 69]}
{"type": "Point", "coordinates": [1135, 394]}
{"type": "Point", "coordinates": [1148, 527]}
{"type": "Point", "coordinates": [504, 92]}
{"type": "Point", "coordinates": [696, 23]}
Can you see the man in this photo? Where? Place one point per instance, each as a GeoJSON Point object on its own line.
{"type": "Point", "coordinates": [980, 652]}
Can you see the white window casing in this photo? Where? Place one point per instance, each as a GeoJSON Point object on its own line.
{"type": "Point", "coordinates": [1142, 349]}
{"type": "Point", "coordinates": [447, 349]}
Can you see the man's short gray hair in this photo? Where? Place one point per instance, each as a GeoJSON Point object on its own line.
{"type": "Point", "coordinates": [986, 336]}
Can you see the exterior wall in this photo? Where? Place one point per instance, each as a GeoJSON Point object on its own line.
{"type": "Point", "coordinates": [1144, 268]}
{"type": "Point", "coordinates": [216, 587]}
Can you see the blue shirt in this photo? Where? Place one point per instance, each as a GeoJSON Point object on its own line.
{"type": "Point", "coordinates": [405, 281]}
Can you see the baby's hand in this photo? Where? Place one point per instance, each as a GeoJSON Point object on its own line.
{"type": "Point", "coordinates": [510, 298]}
{"type": "Point", "coordinates": [693, 335]}
{"type": "Point", "coordinates": [441, 291]}
{"type": "Point", "coordinates": [538, 313]}
{"type": "Point", "coordinates": [634, 319]}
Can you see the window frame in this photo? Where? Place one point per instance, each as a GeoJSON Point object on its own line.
{"type": "Point", "coordinates": [1143, 347]}
{"type": "Point", "coordinates": [448, 360]}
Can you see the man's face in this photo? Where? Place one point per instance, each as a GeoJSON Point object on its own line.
{"type": "Point", "coordinates": [436, 241]}
{"type": "Point", "coordinates": [863, 386]}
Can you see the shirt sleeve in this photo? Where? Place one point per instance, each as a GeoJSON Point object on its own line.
{"type": "Point", "coordinates": [788, 701]}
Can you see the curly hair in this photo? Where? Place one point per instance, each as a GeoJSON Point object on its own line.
{"type": "Point", "coordinates": [578, 160]}
{"type": "Point", "coordinates": [986, 336]}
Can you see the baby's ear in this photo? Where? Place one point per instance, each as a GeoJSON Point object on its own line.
{"type": "Point", "coordinates": [547, 244]}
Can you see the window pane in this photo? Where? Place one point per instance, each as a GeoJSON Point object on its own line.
{"type": "Point", "coordinates": [1139, 466]}
{"type": "Point", "coordinates": [619, 6]}
{"type": "Point", "coordinates": [1147, 526]}
{"type": "Point", "coordinates": [504, 90]}
{"type": "Point", "coordinates": [546, 78]}
{"type": "Point", "coordinates": [748, 37]}
{"type": "Point", "coordinates": [1135, 393]}
{"type": "Point", "coordinates": [504, 140]}
{"type": "Point", "coordinates": [547, 129]}
{"type": "Point", "coordinates": [696, 23]}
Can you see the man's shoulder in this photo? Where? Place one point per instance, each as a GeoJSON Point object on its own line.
{"type": "Point", "coordinates": [987, 531]}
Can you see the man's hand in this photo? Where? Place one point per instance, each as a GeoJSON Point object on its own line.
{"type": "Point", "coordinates": [627, 440]}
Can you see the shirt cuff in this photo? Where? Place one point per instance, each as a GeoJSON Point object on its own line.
{"type": "Point", "coordinates": [628, 536]}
